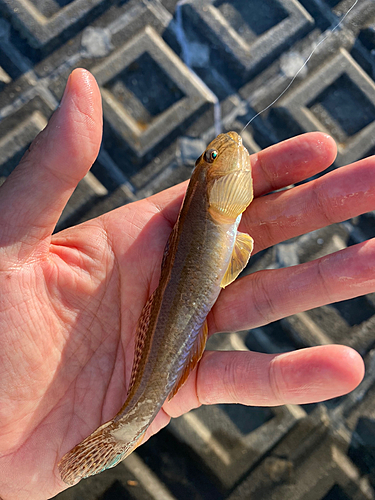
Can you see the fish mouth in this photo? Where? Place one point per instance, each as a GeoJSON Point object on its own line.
{"type": "Point", "coordinates": [233, 156]}
{"type": "Point", "coordinates": [225, 141]}
{"type": "Point", "coordinates": [238, 154]}
{"type": "Point", "coordinates": [235, 137]}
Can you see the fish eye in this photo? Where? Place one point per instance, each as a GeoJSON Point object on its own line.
{"type": "Point", "coordinates": [210, 155]}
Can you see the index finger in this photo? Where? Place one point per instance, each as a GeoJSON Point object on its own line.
{"type": "Point", "coordinates": [291, 161]}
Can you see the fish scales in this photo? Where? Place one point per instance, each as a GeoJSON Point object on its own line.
{"type": "Point", "coordinates": [204, 253]}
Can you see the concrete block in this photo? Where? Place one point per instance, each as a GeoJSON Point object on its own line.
{"type": "Point", "coordinates": [308, 464]}
{"type": "Point", "coordinates": [252, 34]}
{"type": "Point", "coordinates": [231, 439]}
{"type": "Point", "coordinates": [42, 21]}
{"type": "Point", "coordinates": [131, 479]}
{"type": "Point", "coordinates": [321, 103]}
{"type": "Point", "coordinates": [144, 106]}
{"type": "Point", "coordinates": [19, 129]}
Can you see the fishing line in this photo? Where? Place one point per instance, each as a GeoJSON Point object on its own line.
{"type": "Point", "coordinates": [301, 68]}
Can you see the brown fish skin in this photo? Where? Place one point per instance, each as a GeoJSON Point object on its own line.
{"type": "Point", "coordinates": [172, 331]}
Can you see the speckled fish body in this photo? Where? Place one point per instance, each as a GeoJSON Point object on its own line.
{"type": "Point", "coordinates": [204, 253]}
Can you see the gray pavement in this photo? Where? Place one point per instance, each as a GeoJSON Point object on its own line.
{"type": "Point", "coordinates": [243, 54]}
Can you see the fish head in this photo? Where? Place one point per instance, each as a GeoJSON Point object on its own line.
{"type": "Point", "coordinates": [227, 168]}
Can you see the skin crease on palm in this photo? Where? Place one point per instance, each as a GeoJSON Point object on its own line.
{"type": "Point", "coordinates": [70, 302]}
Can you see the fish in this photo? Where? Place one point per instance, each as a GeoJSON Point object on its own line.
{"type": "Point", "coordinates": [205, 252]}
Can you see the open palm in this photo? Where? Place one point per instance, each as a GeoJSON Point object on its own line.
{"type": "Point", "coordinates": [70, 302]}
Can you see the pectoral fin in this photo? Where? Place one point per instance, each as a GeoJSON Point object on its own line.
{"type": "Point", "coordinates": [191, 363]}
{"type": "Point", "coordinates": [243, 247]}
{"type": "Point", "coordinates": [231, 194]}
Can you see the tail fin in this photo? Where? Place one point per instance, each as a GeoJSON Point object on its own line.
{"type": "Point", "coordinates": [96, 453]}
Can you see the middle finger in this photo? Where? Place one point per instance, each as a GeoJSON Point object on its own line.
{"type": "Point", "coordinates": [337, 196]}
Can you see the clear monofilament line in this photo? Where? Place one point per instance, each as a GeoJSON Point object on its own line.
{"type": "Point", "coordinates": [301, 68]}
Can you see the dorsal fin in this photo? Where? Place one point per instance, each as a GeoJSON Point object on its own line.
{"type": "Point", "coordinates": [141, 335]}
{"type": "Point", "coordinates": [243, 246]}
{"type": "Point", "coordinates": [192, 360]}
{"type": "Point", "coordinates": [170, 245]}
{"type": "Point", "coordinates": [144, 320]}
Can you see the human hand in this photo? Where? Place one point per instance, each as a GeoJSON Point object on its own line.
{"type": "Point", "coordinates": [70, 301]}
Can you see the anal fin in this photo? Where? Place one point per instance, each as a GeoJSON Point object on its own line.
{"type": "Point", "coordinates": [192, 360]}
{"type": "Point", "coordinates": [243, 246]}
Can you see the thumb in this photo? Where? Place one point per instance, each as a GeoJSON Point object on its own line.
{"type": "Point", "coordinates": [36, 192]}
